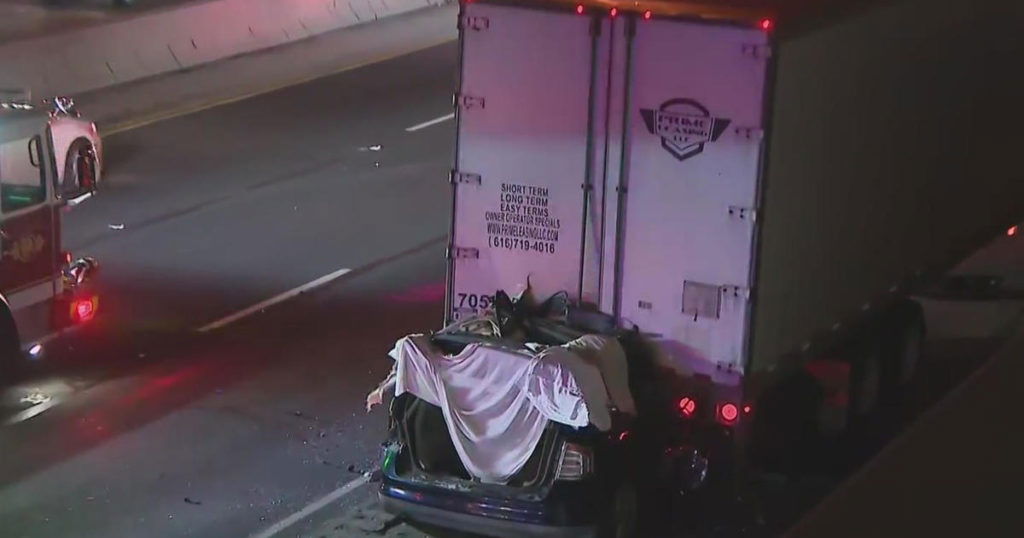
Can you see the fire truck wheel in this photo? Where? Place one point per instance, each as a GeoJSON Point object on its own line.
{"type": "Point", "coordinates": [10, 350]}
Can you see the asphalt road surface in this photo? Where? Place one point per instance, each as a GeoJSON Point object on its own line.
{"type": "Point", "coordinates": [152, 428]}
{"type": "Point", "coordinates": [258, 259]}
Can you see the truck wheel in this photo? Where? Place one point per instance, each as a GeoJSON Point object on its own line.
{"type": "Point", "coordinates": [903, 354]}
{"type": "Point", "coordinates": [865, 383]}
{"type": "Point", "coordinates": [621, 521]}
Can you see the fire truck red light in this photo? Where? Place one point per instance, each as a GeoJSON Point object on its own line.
{"type": "Point", "coordinates": [766, 24]}
{"type": "Point", "coordinates": [614, 11]}
{"type": "Point", "coordinates": [1012, 231]}
{"type": "Point", "coordinates": [579, 9]}
{"type": "Point", "coordinates": [729, 412]}
{"type": "Point", "coordinates": [647, 15]}
{"type": "Point", "coordinates": [687, 406]}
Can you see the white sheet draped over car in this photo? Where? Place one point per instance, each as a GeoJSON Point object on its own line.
{"type": "Point", "coordinates": [497, 401]}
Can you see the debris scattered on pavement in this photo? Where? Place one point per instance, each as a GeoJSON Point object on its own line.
{"type": "Point", "coordinates": [193, 501]}
{"type": "Point", "coordinates": [116, 226]}
{"type": "Point", "coordinates": [351, 468]}
{"type": "Point", "coordinates": [375, 147]}
{"type": "Point", "coordinates": [36, 397]}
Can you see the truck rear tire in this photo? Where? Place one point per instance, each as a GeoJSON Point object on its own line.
{"type": "Point", "coordinates": [621, 520]}
{"type": "Point", "coordinates": [902, 355]}
{"type": "Point", "coordinates": [865, 383]}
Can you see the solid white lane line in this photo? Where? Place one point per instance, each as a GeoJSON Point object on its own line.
{"type": "Point", "coordinates": [33, 411]}
{"type": "Point", "coordinates": [311, 508]}
{"type": "Point", "coordinates": [227, 320]}
{"type": "Point", "coordinates": [426, 124]}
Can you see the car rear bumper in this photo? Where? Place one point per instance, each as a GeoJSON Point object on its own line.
{"type": "Point", "coordinates": [478, 524]}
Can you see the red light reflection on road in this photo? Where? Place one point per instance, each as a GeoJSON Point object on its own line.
{"type": "Point", "coordinates": [425, 293]}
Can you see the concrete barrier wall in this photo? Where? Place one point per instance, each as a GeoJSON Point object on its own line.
{"type": "Point", "coordinates": [176, 39]}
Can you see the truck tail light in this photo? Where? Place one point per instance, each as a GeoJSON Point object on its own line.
{"type": "Point", "coordinates": [614, 12]}
{"type": "Point", "coordinates": [576, 463]}
{"type": "Point", "coordinates": [84, 309]}
{"type": "Point", "coordinates": [687, 407]}
{"type": "Point", "coordinates": [728, 413]}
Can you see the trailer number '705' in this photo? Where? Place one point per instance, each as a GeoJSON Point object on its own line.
{"type": "Point", "coordinates": [474, 301]}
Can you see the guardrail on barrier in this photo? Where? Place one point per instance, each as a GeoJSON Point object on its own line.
{"type": "Point", "coordinates": [161, 42]}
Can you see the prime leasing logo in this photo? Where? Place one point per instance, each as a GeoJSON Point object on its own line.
{"type": "Point", "coordinates": [684, 126]}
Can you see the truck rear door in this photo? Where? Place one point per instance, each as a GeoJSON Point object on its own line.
{"type": "Point", "coordinates": [693, 145]}
{"type": "Point", "coordinates": [522, 112]}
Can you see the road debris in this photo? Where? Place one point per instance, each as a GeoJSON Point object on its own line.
{"type": "Point", "coordinates": [193, 501]}
{"type": "Point", "coordinates": [116, 226]}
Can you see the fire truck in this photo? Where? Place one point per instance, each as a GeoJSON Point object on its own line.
{"type": "Point", "coordinates": [50, 160]}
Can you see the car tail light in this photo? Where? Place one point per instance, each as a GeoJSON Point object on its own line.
{"type": "Point", "coordinates": [728, 413]}
{"type": "Point", "coordinates": [84, 309]}
{"type": "Point", "coordinates": [687, 406]}
{"type": "Point", "coordinates": [576, 463]}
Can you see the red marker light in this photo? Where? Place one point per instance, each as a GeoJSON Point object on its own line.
{"type": "Point", "coordinates": [624, 435]}
{"type": "Point", "coordinates": [1012, 231]}
{"type": "Point", "coordinates": [579, 9]}
{"type": "Point", "coordinates": [766, 24]}
{"type": "Point", "coordinates": [687, 406]}
{"type": "Point", "coordinates": [747, 409]}
{"type": "Point", "coordinates": [83, 310]}
{"type": "Point", "coordinates": [647, 15]}
{"type": "Point", "coordinates": [614, 11]}
{"type": "Point", "coordinates": [728, 412]}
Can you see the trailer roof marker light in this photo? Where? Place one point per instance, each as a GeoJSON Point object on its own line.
{"type": "Point", "coordinates": [647, 15]}
{"type": "Point", "coordinates": [687, 406]}
{"type": "Point", "coordinates": [728, 412]}
{"type": "Point", "coordinates": [1012, 231]}
{"type": "Point", "coordinates": [747, 409]}
{"type": "Point", "coordinates": [614, 12]}
{"type": "Point", "coordinates": [766, 24]}
{"type": "Point", "coordinates": [579, 9]}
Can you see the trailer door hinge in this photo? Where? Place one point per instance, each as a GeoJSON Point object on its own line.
{"type": "Point", "coordinates": [474, 22]}
{"type": "Point", "coordinates": [750, 133]}
{"type": "Point", "coordinates": [468, 101]}
{"type": "Point", "coordinates": [743, 213]}
{"type": "Point", "coordinates": [738, 292]}
{"type": "Point", "coordinates": [460, 253]}
{"type": "Point", "coordinates": [470, 178]}
{"type": "Point", "coordinates": [756, 51]}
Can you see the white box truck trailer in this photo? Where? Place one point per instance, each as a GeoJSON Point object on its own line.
{"type": "Point", "coordinates": [743, 197]}
{"type": "Point", "coordinates": [759, 203]}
